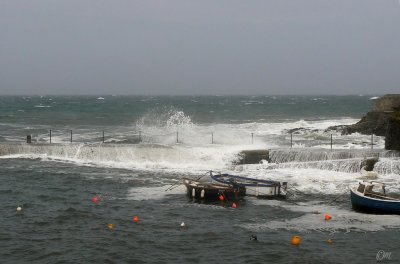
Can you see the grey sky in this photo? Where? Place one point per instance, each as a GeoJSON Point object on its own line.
{"type": "Point", "coordinates": [200, 47]}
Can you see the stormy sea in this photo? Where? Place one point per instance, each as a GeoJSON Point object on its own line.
{"type": "Point", "coordinates": [101, 180]}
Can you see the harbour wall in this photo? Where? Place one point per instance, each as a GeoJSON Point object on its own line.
{"type": "Point", "coordinates": [343, 160]}
{"type": "Point", "coordinates": [349, 160]}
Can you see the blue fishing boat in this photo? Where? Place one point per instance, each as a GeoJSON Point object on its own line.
{"type": "Point", "coordinates": [255, 187]}
{"type": "Point", "coordinates": [371, 197]}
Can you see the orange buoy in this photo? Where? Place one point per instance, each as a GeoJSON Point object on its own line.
{"type": "Point", "coordinates": [233, 205]}
{"type": "Point", "coordinates": [95, 199]}
{"type": "Point", "coordinates": [329, 241]}
{"type": "Point", "coordinates": [327, 217]}
{"type": "Point", "coordinates": [110, 226]}
{"type": "Point", "coordinates": [296, 240]}
{"type": "Point", "coordinates": [135, 219]}
{"type": "Point", "coordinates": [221, 197]}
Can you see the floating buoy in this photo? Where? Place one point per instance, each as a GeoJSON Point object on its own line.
{"type": "Point", "coordinates": [135, 219]}
{"type": "Point", "coordinates": [183, 224]}
{"type": "Point", "coordinates": [95, 199]}
{"type": "Point", "coordinates": [202, 193]}
{"type": "Point", "coordinates": [19, 209]}
{"type": "Point", "coordinates": [193, 192]}
{"type": "Point", "coordinates": [296, 240]}
{"type": "Point", "coordinates": [327, 217]}
{"type": "Point", "coordinates": [329, 241]}
{"type": "Point", "coordinates": [233, 205]}
{"type": "Point", "coordinates": [221, 197]}
{"type": "Point", "coordinates": [110, 226]}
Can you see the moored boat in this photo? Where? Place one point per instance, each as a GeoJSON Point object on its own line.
{"type": "Point", "coordinates": [255, 187]}
{"type": "Point", "coordinates": [371, 197]}
{"type": "Point", "coordinates": [212, 191]}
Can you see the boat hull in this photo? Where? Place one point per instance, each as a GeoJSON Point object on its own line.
{"type": "Point", "coordinates": [371, 205]}
{"type": "Point", "coordinates": [211, 191]}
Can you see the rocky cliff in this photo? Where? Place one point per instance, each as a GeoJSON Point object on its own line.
{"type": "Point", "coordinates": [377, 121]}
{"type": "Point", "coordinates": [383, 120]}
{"type": "Point", "coordinates": [392, 137]}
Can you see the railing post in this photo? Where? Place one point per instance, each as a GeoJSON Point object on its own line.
{"type": "Point", "coordinates": [103, 136]}
{"type": "Point", "coordinates": [212, 137]}
{"type": "Point", "coordinates": [372, 141]}
{"type": "Point", "coordinates": [50, 135]}
{"type": "Point", "coordinates": [331, 141]}
{"type": "Point", "coordinates": [177, 138]}
{"type": "Point", "coordinates": [291, 140]}
{"type": "Point", "coordinates": [71, 135]}
{"type": "Point", "coordinates": [140, 135]}
{"type": "Point", "coordinates": [252, 137]}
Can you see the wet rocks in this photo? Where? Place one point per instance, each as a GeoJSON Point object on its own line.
{"type": "Point", "coordinates": [392, 136]}
{"type": "Point", "coordinates": [252, 156]}
{"type": "Point", "coordinates": [375, 121]}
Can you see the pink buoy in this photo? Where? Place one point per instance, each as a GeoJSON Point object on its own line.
{"type": "Point", "coordinates": [233, 205]}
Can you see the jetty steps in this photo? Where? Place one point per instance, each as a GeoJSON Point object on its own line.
{"type": "Point", "coordinates": [343, 160]}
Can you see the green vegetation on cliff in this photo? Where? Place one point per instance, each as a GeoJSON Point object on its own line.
{"type": "Point", "coordinates": [396, 115]}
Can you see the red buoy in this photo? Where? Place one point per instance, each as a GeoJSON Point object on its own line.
{"type": "Point", "coordinates": [327, 217]}
{"type": "Point", "coordinates": [135, 219]}
{"type": "Point", "coordinates": [221, 197]}
{"type": "Point", "coordinates": [95, 199]}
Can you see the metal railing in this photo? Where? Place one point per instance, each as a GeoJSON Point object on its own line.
{"type": "Point", "coordinates": [138, 137]}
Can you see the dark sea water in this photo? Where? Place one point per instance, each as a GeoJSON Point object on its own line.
{"type": "Point", "coordinates": [54, 183]}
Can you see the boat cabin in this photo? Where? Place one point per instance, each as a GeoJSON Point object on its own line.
{"type": "Point", "coordinates": [374, 190]}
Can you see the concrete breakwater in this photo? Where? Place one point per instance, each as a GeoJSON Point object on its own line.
{"type": "Point", "coordinates": [349, 160]}
{"type": "Point", "coordinates": [307, 155]}
{"type": "Point", "coordinates": [352, 160]}
{"type": "Point", "coordinates": [89, 152]}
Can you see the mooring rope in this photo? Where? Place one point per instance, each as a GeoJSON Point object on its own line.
{"type": "Point", "coordinates": [175, 185]}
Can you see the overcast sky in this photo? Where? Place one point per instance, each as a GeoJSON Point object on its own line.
{"type": "Point", "coordinates": [199, 47]}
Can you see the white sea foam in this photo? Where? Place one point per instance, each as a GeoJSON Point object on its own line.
{"type": "Point", "coordinates": [42, 106]}
{"type": "Point", "coordinates": [314, 181]}
{"type": "Point", "coordinates": [154, 193]}
{"type": "Point", "coordinates": [312, 218]}
{"type": "Point", "coordinates": [173, 142]}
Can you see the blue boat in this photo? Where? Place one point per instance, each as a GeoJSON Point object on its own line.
{"type": "Point", "coordinates": [255, 187]}
{"type": "Point", "coordinates": [371, 197]}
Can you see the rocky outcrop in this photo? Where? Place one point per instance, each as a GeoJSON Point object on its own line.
{"type": "Point", "coordinates": [392, 137]}
{"type": "Point", "coordinates": [371, 123]}
{"type": "Point", "coordinates": [252, 156]}
{"type": "Point", "coordinates": [387, 103]}
{"type": "Point", "coordinates": [377, 121]}
{"type": "Point", "coordinates": [369, 163]}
